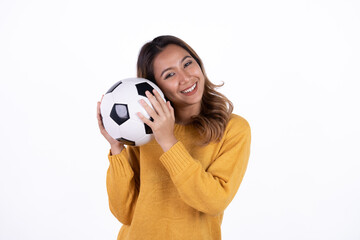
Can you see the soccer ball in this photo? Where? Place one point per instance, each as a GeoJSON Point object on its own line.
{"type": "Point", "coordinates": [119, 108]}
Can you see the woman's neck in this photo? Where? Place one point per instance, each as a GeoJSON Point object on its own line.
{"type": "Point", "coordinates": [183, 115]}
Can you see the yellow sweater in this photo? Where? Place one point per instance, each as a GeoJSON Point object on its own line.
{"type": "Point", "coordinates": [182, 193]}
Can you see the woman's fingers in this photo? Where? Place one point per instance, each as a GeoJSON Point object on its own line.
{"type": "Point", "coordinates": [145, 120]}
{"type": "Point", "coordinates": [171, 109]}
{"type": "Point", "coordinates": [155, 103]}
{"type": "Point", "coordinates": [100, 122]}
{"type": "Point", "coordinates": [103, 131]}
{"type": "Point", "coordinates": [98, 115]}
{"type": "Point", "coordinates": [160, 108]}
{"type": "Point", "coordinates": [160, 100]}
{"type": "Point", "coordinates": [152, 113]}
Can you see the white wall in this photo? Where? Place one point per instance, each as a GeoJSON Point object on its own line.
{"type": "Point", "coordinates": [290, 67]}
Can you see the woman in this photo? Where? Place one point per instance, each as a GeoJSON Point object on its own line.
{"type": "Point", "coordinates": [178, 185]}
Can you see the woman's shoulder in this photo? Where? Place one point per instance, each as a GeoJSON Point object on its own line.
{"type": "Point", "coordinates": [237, 131]}
{"type": "Point", "coordinates": [238, 121]}
{"type": "Point", "coordinates": [237, 125]}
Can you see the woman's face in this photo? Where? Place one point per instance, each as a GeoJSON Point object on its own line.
{"type": "Point", "coordinates": [179, 76]}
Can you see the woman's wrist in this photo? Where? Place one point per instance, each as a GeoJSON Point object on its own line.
{"type": "Point", "coordinates": [168, 144]}
{"type": "Point", "coordinates": [116, 148]}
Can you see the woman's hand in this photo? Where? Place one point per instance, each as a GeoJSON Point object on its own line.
{"type": "Point", "coordinates": [163, 119]}
{"type": "Point", "coordinates": [116, 146]}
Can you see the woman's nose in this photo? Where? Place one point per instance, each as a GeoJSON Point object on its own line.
{"type": "Point", "coordinates": [184, 77]}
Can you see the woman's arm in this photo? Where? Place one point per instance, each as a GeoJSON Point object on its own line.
{"type": "Point", "coordinates": [122, 180]}
{"type": "Point", "coordinates": [210, 191]}
{"type": "Point", "coordinates": [123, 184]}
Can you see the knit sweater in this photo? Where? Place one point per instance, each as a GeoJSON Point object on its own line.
{"type": "Point", "coordinates": [182, 193]}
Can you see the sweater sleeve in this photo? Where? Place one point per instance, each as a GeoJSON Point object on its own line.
{"type": "Point", "coordinates": [123, 183]}
{"type": "Point", "coordinates": [211, 190]}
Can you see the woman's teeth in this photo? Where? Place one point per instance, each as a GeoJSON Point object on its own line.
{"type": "Point", "coordinates": [189, 89]}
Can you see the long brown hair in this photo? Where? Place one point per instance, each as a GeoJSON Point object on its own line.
{"type": "Point", "coordinates": [215, 107]}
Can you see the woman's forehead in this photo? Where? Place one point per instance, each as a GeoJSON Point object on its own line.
{"type": "Point", "coordinates": [170, 56]}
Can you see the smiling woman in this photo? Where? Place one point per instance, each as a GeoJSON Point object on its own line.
{"type": "Point", "coordinates": [178, 185]}
{"type": "Point", "coordinates": [184, 67]}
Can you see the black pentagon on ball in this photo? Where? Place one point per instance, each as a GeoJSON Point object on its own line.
{"type": "Point", "coordinates": [143, 87]}
{"type": "Point", "coordinates": [119, 113]}
{"type": "Point", "coordinates": [113, 87]}
{"type": "Point", "coordinates": [148, 129]}
{"type": "Point", "coordinates": [126, 141]}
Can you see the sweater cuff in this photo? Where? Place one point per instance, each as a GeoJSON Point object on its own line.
{"type": "Point", "coordinates": [176, 159]}
{"type": "Point", "coordinates": [120, 164]}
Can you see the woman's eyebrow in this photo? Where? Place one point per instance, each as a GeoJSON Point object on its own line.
{"type": "Point", "coordinates": [185, 58]}
{"type": "Point", "coordinates": [182, 60]}
{"type": "Point", "coordinates": [165, 71]}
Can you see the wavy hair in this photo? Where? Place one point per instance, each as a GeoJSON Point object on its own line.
{"type": "Point", "coordinates": [215, 107]}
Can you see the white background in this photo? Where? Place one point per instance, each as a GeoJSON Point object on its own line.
{"type": "Point", "coordinates": [291, 68]}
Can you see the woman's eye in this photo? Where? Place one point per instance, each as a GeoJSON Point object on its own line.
{"type": "Point", "coordinates": [169, 75]}
{"type": "Point", "coordinates": [187, 64]}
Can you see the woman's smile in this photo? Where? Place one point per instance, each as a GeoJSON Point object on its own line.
{"type": "Point", "coordinates": [191, 90]}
